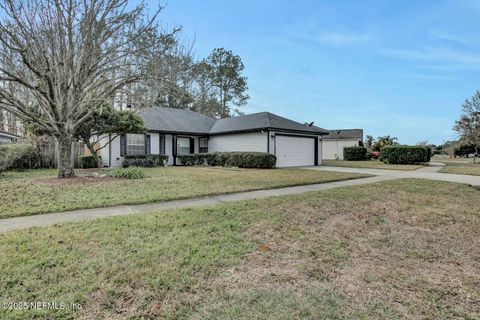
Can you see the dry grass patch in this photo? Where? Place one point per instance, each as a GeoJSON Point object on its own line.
{"type": "Point", "coordinates": [461, 166]}
{"type": "Point", "coordinates": [407, 250]}
{"type": "Point", "coordinates": [399, 249]}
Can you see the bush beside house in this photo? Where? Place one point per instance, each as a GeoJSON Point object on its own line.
{"type": "Point", "coordinates": [405, 154]}
{"type": "Point", "coordinates": [19, 157]}
{"type": "Point", "coordinates": [356, 154]}
{"type": "Point", "coordinates": [261, 160]}
{"type": "Point", "coordinates": [88, 162]}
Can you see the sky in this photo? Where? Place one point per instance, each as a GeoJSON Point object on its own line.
{"type": "Point", "coordinates": [399, 68]}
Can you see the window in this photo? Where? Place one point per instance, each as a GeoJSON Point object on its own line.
{"type": "Point", "coordinates": [183, 146]}
{"type": "Point", "coordinates": [135, 144]}
{"type": "Point", "coordinates": [203, 145]}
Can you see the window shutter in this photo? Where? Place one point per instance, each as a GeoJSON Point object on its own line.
{"type": "Point", "coordinates": [192, 145]}
{"type": "Point", "coordinates": [123, 145]}
{"type": "Point", "coordinates": [161, 142]}
{"type": "Point", "coordinates": [148, 144]}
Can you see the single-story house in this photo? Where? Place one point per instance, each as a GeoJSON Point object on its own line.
{"type": "Point", "coordinates": [174, 132]}
{"type": "Point", "coordinates": [6, 137]}
{"type": "Point", "coordinates": [336, 140]}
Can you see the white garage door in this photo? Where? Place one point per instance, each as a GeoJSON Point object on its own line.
{"type": "Point", "coordinates": [294, 151]}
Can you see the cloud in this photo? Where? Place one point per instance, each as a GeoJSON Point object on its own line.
{"type": "Point", "coordinates": [447, 55]}
{"type": "Point", "coordinates": [453, 38]}
{"type": "Point", "coordinates": [469, 4]}
{"type": "Point", "coordinates": [340, 38]}
{"type": "Point", "coordinates": [429, 76]}
{"type": "Point", "coordinates": [312, 32]}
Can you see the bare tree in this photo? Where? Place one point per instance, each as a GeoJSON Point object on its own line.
{"type": "Point", "coordinates": [168, 69]}
{"type": "Point", "coordinates": [468, 126]}
{"type": "Point", "coordinates": [61, 60]}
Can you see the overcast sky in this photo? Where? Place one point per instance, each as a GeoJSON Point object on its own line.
{"type": "Point", "coordinates": [401, 68]}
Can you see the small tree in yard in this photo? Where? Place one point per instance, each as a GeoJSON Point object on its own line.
{"type": "Point", "coordinates": [61, 60]}
{"type": "Point", "coordinates": [379, 143]}
{"type": "Point", "coordinates": [468, 126]}
{"type": "Point", "coordinates": [384, 141]}
{"type": "Point", "coordinates": [369, 141]}
{"type": "Point", "coordinates": [106, 125]}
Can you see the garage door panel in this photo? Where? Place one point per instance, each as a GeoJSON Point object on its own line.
{"type": "Point", "coordinates": [294, 151]}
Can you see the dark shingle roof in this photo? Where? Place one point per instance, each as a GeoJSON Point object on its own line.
{"type": "Point", "coordinates": [175, 120]}
{"type": "Point", "coordinates": [179, 120]}
{"type": "Point", "coordinates": [345, 134]}
{"type": "Point", "coordinates": [262, 120]}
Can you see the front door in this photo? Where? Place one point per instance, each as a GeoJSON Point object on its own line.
{"type": "Point", "coordinates": [183, 146]}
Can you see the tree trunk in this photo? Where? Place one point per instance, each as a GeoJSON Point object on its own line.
{"type": "Point", "coordinates": [93, 153]}
{"type": "Point", "coordinates": [65, 157]}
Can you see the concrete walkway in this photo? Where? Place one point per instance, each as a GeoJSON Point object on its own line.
{"type": "Point", "coordinates": [42, 220]}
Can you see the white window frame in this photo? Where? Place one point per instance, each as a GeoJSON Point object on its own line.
{"type": "Point", "coordinates": [204, 147]}
{"type": "Point", "coordinates": [137, 142]}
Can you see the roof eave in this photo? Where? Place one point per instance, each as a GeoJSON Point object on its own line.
{"type": "Point", "coordinates": [179, 132]}
{"type": "Point", "coordinates": [316, 133]}
{"type": "Point", "coordinates": [8, 134]}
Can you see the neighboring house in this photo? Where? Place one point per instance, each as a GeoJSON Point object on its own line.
{"type": "Point", "coordinates": [6, 137]}
{"type": "Point", "coordinates": [176, 132]}
{"type": "Point", "coordinates": [334, 143]}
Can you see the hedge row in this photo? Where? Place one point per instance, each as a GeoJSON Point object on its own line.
{"type": "Point", "coordinates": [150, 160]}
{"type": "Point", "coordinates": [19, 157]}
{"type": "Point", "coordinates": [406, 154]}
{"type": "Point", "coordinates": [230, 159]}
{"type": "Point", "coordinates": [356, 154]}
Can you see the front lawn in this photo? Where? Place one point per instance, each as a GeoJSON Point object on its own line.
{"type": "Point", "coordinates": [461, 166]}
{"type": "Point", "coordinates": [30, 192]}
{"type": "Point", "coordinates": [370, 164]}
{"type": "Point", "coordinates": [399, 249]}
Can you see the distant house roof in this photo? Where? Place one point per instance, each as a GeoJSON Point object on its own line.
{"type": "Point", "coordinates": [345, 134]}
{"type": "Point", "coordinates": [186, 121]}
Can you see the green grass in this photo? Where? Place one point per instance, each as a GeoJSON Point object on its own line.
{"type": "Point", "coordinates": [22, 193]}
{"type": "Point", "coordinates": [460, 166]}
{"type": "Point", "coordinates": [398, 249]}
{"type": "Point", "coordinates": [371, 164]}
